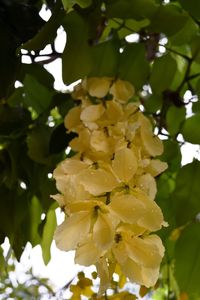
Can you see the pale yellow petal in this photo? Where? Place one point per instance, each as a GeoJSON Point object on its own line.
{"type": "Point", "coordinates": [156, 167]}
{"type": "Point", "coordinates": [127, 207]}
{"type": "Point", "coordinates": [97, 87]}
{"type": "Point", "coordinates": [143, 251]}
{"type": "Point", "coordinates": [71, 188]}
{"type": "Point", "coordinates": [147, 184]}
{"type": "Point", "coordinates": [69, 166]}
{"type": "Point", "coordinates": [139, 274]}
{"type": "Point", "coordinates": [119, 251]}
{"type": "Point", "coordinates": [82, 142]}
{"type": "Point", "coordinates": [60, 199]}
{"type": "Point", "coordinates": [92, 113]}
{"type": "Point", "coordinates": [152, 144]}
{"type": "Point", "coordinates": [152, 218]}
{"type": "Point", "coordinates": [72, 231]}
{"type": "Point", "coordinates": [98, 181]}
{"type": "Point", "coordinates": [99, 141]}
{"type": "Point", "coordinates": [87, 253]}
{"type": "Point", "coordinates": [124, 164]}
{"type": "Point", "coordinates": [114, 111]}
{"type": "Point", "coordinates": [103, 231]}
{"type": "Point", "coordinates": [122, 90]}
{"type": "Point", "coordinates": [72, 119]}
{"type": "Point", "coordinates": [91, 125]}
{"type": "Point", "coordinates": [130, 110]}
{"type": "Point", "coordinates": [87, 205]}
{"type": "Point", "coordinates": [150, 276]}
{"type": "Point", "coordinates": [103, 274]}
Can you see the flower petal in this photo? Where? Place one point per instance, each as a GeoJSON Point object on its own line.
{"type": "Point", "coordinates": [72, 119]}
{"type": "Point", "coordinates": [87, 253]}
{"type": "Point", "coordinates": [156, 167]}
{"type": "Point", "coordinates": [124, 164]}
{"type": "Point", "coordinates": [103, 231]}
{"type": "Point", "coordinates": [99, 141]}
{"type": "Point", "coordinates": [92, 113]}
{"type": "Point", "coordinates": [147, 184]}
{"type": "Point", "coordinates": [152, 218]}
{"type": "Point", "coordinates": [69, 166]}
{"type": "Point", "coordinates": [127, 207]}
{"type": "Point", "coordinates": [98, 181]}
{"type": "Point", "coordinates": [152, 144]}
{"type": "Point", "coordinates": [97, 87]}
{"type": "Point", "coordinates": [122, 90]}
{"type": "Point", "coordinates": [139, 274]}
{"type": "Point", "coordinates": [73, 230]}
{"type": "Point", "coordinates": [144, 251]}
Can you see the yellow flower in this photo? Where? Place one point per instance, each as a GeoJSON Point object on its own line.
{"type": "Point", "coordinates": [99, 141]}
{"type": "Point", "coordinates": [98, 181]}
{"type": "Point", "coordinates": [87, 253]}
{"type": "Point", "coordinates": [122, 90]}
{"type": "Point", "coordinates": [103, 274]}
{"type": "Point", "coordinates": [156, 167]}
{"type": "Point", "coordinates": [73, 230]}
{"type": "Point", "coordinates": [72, 120]}
{"type": "Point", "coordinates": [97, 87]}
{"type": "Point", "coordinates": [82, 142]}
{"type": "Point", "coordinates": [138, 256]}
{"type": "Point", "coordinates": [89, 216]}
{"type": "Point", "coordinates": [124, 164]}
{"type": "Point", "coordinates": [152, 144]}
{"type": "Point", "coordinates": [136, 208]}
{"type": "Point", "coordinates": [108, 188]}
{"type": "Point", "coordinates": [147, 183]}
{"type": "Point", "coordinates": [92, 113]}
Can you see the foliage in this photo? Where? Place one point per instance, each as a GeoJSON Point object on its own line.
{"type": "Point", "coordinates": [153, 44]}
{"type": "Point", "coordinates": [28, 287]}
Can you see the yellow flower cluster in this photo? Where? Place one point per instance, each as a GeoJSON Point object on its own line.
{"type": "Point", "coordinates": [107, 189]}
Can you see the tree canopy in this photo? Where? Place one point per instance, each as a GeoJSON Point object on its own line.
{"type": "Point", "coordinates": [153, 44]}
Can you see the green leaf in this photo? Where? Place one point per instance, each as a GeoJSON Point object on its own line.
{"type": "Point", "coordinates": [187, 261]}
{"type": "Point", "coordinates": [131, 25]}
{"type": "Point", "coordinates": [9, 61]}
{"type": "Point", "coordinates": [136, 9]}
{"type": "Point", "coordinates": [153, 103]}
{"type": "Point", "coordinates": [186, 34]}
{"type": "Point", "coordinates": [37, 71]}
{"type": "Point", "coordinates": [164, 69]}
{"type": "Point", "coordinates": [68, 4]}
{"type": "Point", "coordinates": [175, 117]}
{"type": "Point", "coordinates": [60, 139]}
{"type": "Point", "coordinates": [133, 65]}
{"type": "Point", "coordinates": [195, 48]}
{"type": "Point", "coordinates": [196, 105]}
{"type": "Point", "coordinates": [168, 19]}
{"type": "Point", "coordinates": [185, 199]}
{"type": "Point", "coordinates": [190, 130]}
{"type": "Point", "coordinates": [35, 219]}
{"type": "Point", "coordinates": [13, 120]}
{"type": "Point", "coordinates": [192, 6]}
{"type": "Point", "coordinates": [47, 33]}
{"type": "Point", "coordinates": [105, 59]}
{"type": "Point", "coordinates": [38, 144]}
{"type": "Point", "coordinates": [77, 58]}
{"type": "Point", "coordinates": [172, 155]}
{"type": "Point", "coordinates": [180, 71]}
{"type": "Point", "coordinates": [47, 236]}
{"type": "Point", "coordinates": [36, 95]}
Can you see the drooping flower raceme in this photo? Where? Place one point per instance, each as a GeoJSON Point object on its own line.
{"type": "Point", "coordinates": [107, 188]}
